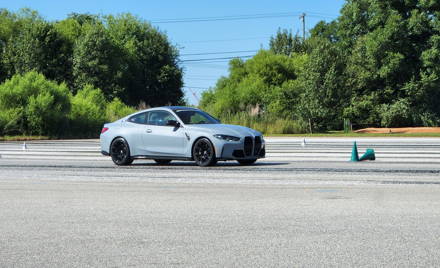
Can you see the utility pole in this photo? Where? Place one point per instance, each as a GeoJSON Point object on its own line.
{"type": "Point", "coordinates": [302, 17]}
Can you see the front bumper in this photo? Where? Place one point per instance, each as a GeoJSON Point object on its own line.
{"type": "Point", "coordinates": [247, 148]}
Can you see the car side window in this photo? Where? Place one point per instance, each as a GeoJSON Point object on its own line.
{"type": "Point", "coordinates": [197, 119]}
{"type": "Point", "coordinates": [159, 118]}
{"type": "Point", "coordinates": [139, 118]}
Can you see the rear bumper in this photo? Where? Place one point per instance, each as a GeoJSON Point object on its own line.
{"type": "Point", "coordinates": [104, 140]}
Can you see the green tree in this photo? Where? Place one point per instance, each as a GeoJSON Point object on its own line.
{"type": "Point", "coordinates": [325, 30]}
{"type": "Point", "coordinates": [376, 64]}
{"type": "Point", "coordinates": [39, 47]}
{"type": "Point", "coordinates": [286, 43]}
{"type": "Point", "coordinates": [324, 95]}
{"type": "Point", "coordinates": [392, 59]}
{"type": "Point", "coordinates": [151, 72]}
{"type": "Point", "coordinates": [122, 55]}
{"type": "Point", "coordinates": [263, 82]}
{"type": "Point", "coordinates": [69, 29]}
{"type": "Point", "coordinates": [96, 61]}
{"type": "Point", "coordinates": [84, 18]}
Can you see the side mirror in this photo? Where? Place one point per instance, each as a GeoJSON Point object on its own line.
{"type": "Point", "coordinates": [173, 123]}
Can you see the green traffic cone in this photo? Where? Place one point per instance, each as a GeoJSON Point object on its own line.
{"type": "Point", "coordinates": [369, 155]}
{"type": "Point", "coordinates": [354, 153]}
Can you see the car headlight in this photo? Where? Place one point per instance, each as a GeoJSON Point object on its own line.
{"type": "Point", "coordinates": [226, 137]}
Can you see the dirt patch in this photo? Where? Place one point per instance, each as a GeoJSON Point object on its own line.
{"type": "Point", "coordinates": [400, 130]}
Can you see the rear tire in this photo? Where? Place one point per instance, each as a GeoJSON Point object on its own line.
{"type": "Point", "coordinates": [246, 162]}
{"type": "Point", "coordinates": [203, 153]}
{"type": "Point", "coordinates": [120, 152]}
{"type": "Point", "coordinates": [162, 161]}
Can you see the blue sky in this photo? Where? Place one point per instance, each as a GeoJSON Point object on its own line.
{"type": "Point", "coordinates": [200, 37]}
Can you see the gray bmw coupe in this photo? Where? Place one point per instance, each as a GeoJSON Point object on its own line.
{"type": "Point", "coordinates": [179, 133]}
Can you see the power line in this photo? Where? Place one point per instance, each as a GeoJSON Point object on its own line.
{"type": "Point", "coordinates": [194, 94]}
{"type": "Point", "coordinates": [248, 38]}
{"type": "Point", "coordinates": [205, 62]}
{"type": "Point", "coordinates": [225, 40]}
{"type": "Point", "coordinates": [209, 61]}
{"type": "Point", "coordinates": [203, 79]}
{"type": "Point", "coordinates": [320, 17]}
{"type": "Point", "coordinates": [212, 59]}
{"type": "Point", "coordinates": [207, 66]}
{"type": "Point", "coordinates": [243, 17]}
{"type": "Point", "coordinates": [322, 14]}
{"type": "Point", "coordinates": [196, 87]}
{"type": "Point", "coordinates": [225, 18]}
{"type": "Point", "coordinates": [201, 76]}
{"type": "Point", "coordinates": [216, 53]}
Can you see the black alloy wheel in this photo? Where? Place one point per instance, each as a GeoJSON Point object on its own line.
{"type": "Point", "coordinates": [120, 152]}
{"type": "Point", "coordinates": [162, 161]}
{"type": "Point", "coordinates": [204, 153]}
{"type": "Point", "coordinates": [245, 162]}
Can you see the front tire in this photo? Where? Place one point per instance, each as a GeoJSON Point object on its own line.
{"type": "Point", "coordinates": [120, 152]}
{"type": "Point", "coordinates": [246, 162]}
{"type": "Point", "coordinates": [204, 153]}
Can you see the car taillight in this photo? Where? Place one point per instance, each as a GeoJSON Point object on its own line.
{"type": "Point", "coordinates": [104, 129]}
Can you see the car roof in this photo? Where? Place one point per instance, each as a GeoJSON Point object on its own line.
{"type": "Point", "coordinates": [172, 108]}
{"type": "Point", "coordinates": [178, 108]}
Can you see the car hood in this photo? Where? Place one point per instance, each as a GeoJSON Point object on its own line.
{"type": "Point", "coordinates": [233, 130]}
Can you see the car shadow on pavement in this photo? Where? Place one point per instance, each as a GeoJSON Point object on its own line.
{"type": "Point", "coordinates": [219, 164]}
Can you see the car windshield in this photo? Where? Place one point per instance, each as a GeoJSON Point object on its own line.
{"type": "Point", "coordinates": [195, 117]}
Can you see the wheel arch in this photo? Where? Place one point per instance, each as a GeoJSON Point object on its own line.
{"type": "Point", "coordinates": [117, 137]}
{"type": "Point", "coordinates": [194, 143]}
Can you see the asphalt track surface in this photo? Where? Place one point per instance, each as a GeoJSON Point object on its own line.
{"type": "Point", "coordinates": [63, 204]}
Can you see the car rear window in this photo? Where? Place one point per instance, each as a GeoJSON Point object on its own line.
{"type": "Point", "coordinates": [138, 118]}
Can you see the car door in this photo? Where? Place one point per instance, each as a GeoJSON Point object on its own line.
{"type": "Point", "coordinates": [160, 139]}
{"type": "Point", "coordinates": [135, 129]}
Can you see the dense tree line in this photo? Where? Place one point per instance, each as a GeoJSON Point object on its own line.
{"type": "Point", "coordinates": [67, 78]}
{"type": "Point", "coordinates": [377, 64]}
{"type": "Point", "coordinates": [122, 55]}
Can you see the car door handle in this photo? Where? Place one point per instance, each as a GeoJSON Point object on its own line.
{"type": "Point", "coordinates": [149, 131]}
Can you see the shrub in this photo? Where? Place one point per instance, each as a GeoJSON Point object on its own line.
{"type": "Point", "coordinates": [364, 111]}
{"type": "Point", "coordinates": [266, 124]}
{"type": "Point", "coordinates": [398, 114]}
{"type": "Point", "coordinates": [88, 112]}
{"type": "Point", "coordinates": [31, 104]}
{"type": "Point", "coordinates": [9, 119]}
{"type": "Point", "coordinates": [116, 110]}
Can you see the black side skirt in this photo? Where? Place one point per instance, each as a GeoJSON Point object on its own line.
{"type": "Point", "coordinates": [162, 157]}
